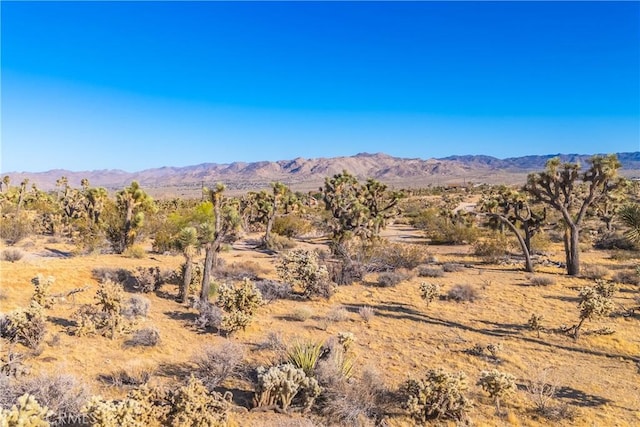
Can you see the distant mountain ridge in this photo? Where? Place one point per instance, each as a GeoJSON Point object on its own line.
{"type": "Point", "coordinates": [304, 173]}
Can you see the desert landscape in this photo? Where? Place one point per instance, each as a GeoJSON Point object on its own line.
{"type": "Point", "coordinates": [353, 305]}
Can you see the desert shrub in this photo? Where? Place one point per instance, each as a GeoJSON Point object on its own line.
{"type": "Point", "coordinates": [429, 271]}
{"type": "Point", "coordinates": [15, 228]}
{"type": "Point", "coordinates": [135, 251]}
{"type": "Point", "coordinates": [542, 281]}
{"type": "Point", "coordinates": [133, 374]}
{"type": "Point", "coordinates": [305, 355]}
{"type": "Point", "coordinates": [42, 287]}
{"type": "Point", "coordinates": [60, 393]}
{"type": "Point", "coordinates": [392, 278]}
{"type": "Point", "coordinates": [240, 270]}
{"type": "Point", "coordinates": [137, 306]}
{"type": "Point", "coordinates": [452, 234]}
{"type": "Point", "coordinates": [358, 402]}
{"type": "Point", "coordinates": [273, 341]}
{"type": "Point", "coordinates": [594, 272]}
{"type": "Point", "coordinates": [238, 304]}
{"type": "Point", "coordinates": [337, 314]}
{"type": "Point", "coordinates": [27, 412]}
{"type": "Point", "coordinates": [540, 242]}
{"type": "Point", "coordinates": [612, 241]}
{"type": "Point", "coordinates": [281, 243]}
{"type": "Point", "coordinates": [12, 255]}
{"type": "Point", "coordinates": [628, 277]}
{"type": "Point", "coordinates": [491, 249]}
{"type": "Point", "coordinates": [498, 384]}
{"type": "Point", "coordinates": [213, 365]}
{"type": "Point", "coordinates": [300, 314]}
{"type": "Point", "coordinates": [209, 316]}
{"type": "Point", "coordinates": [302, 269]}
{"type": "Point", "coordinates": [451, 267]}
{"type": "Point", "coordinates": [26, 325]}
{"type": "Point", "coordinates": [291, 226]}
{"type": "Point", "coordinates": [463, 293]}
{"type": "Point", "coordinates": [542, 390]}
{"type": "Point", "coordinates": [279, 385]}
{"type": "Point", "coordinates": [272, 290]}
{"type": "Point", "coordinates": [344, 271]}
{"type": "Point", "coordinates": [146, 337]}
{"type": "Point", "coordinates": [439, 394]}
{"type": "Point", "coordinates": [390, 256]}
{"type": "Point", "coordinates": [366, 313]}
{"type": "Point", "coordinates": [107, 273]}
{"type": "Point", "coordinates": [145, 279]}
{"type": "Point", "coordinates": [429, 292]}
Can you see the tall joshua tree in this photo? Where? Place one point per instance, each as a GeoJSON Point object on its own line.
{"type": "Point", "coordinates": [131, 205]}
{"type": "Point", "coordinates": [564, 188]}
{"type": "Point", "coordinates": [511, 208]}
{"type": "Point", "coordinates": [225, 221]}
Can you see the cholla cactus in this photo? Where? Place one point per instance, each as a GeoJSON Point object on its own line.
{"type": "Point", "coordinates": [41, 292]}
{"type": "Point", "coordinates": [112, 413]}
{"type": "Point", "coordinates": [593, 304]}
{"type": "Point", "coordinates": [278, 385]}
{"type": "Point", "coordinates": [301, 268]}
{"type": "Point", "coordinates": [194, 405]}
{"type": "Point", "coordinates": [429, 292]}
{"type": "Point", "coordinates": [26, 325]}
{"type": "Point", "coordinates": [346, 339]}
{"type": "Point", "coordinates": [27, 412]}
{"type": "Point", "coordinates": [535, 323]}
{"type": "Point", "coordinates": [439, 394]}
{"type": "Point", "coordinates": [107, 319]}
{"type": "Point", "coordinates": [604, 288]}
{"type": "Point", "coordinates": [239, 304]}
{"type": "Point", "coordinates": [497, 384]}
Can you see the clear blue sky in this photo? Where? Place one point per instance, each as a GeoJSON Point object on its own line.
{"type": "Point", "coordinates": [135, 85]}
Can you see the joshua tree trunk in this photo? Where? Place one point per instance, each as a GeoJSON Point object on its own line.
{"type": "Point", "coordinates": [523, 245]}
{"type": "Point", "coordinates": [208, 267]}
{"type": "Point", "coordinates": [188, 272]}
{"type": "Point", "coordinates": [572, 249]}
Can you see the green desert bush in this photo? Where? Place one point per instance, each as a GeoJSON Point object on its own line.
{"type": "Point", "coordinates": [135, 251]}
{"type": "Point", "coordinates": [391, 256]}
{"type": "Point", "coordinates": [305, 355]}
{"type": "Point", "coordinates": [291, 226]}
{"type": "Point", "coordinates": [300, 314]}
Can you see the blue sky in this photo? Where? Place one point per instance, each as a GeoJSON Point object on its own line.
{"type": "Point", "coordinates": [135, 85]}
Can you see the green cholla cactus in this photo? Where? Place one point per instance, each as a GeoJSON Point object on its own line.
{"type": "Point", "coordinates": [346, 339]}
{"type": "Point", "coordinates": [429, 292]}
{"type": "Point", "coordinates": [112, 413]}
{"type": "Point", "coordinates": [27, 413]}
{"type": "Point", "coordinates": [497, 384]}
{"type": "Point", "coordinates": [301, 268]}
{"type": "Point", "coordinates": [279, 385]}
{"type": "Point", "coordinates": [439, 394]}
{"type": "Point", "coordinates": [239, 304]}
{"type": "Point", "coordinates": [193, 405]}
{"type": "Point", "coordinates": [26, 325]}
{"type": "Point", "coordinates": [535, 323]}
{"type": "Point", "coordinates": [604, 288]}
{"type": "Point", "coordinates": [107, 318]}
{"type": "Point", "coordinates": [41, 292]}
{"type": "Point", "coordinates": [593, 304]}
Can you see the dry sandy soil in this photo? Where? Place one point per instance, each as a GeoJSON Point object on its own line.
{"type": "Point", "coordinates": [598, 375]}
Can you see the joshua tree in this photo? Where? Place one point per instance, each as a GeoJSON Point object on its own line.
{"type": "Point", "coordinates": [511, 208]}
{"type": "Point", "coordinates": [264, 207]}
{"type": "Point", "coordinates": [187, 242]}
{"type": "Point", "coordinates": [131, 204]}
{"type": "Point", "coordinates": [356, 209]}
{"type": "Point", "coordinates": [225, 221]}
{"type": "Point", "coordinates": [6, 182]}
{"type": "Point", "coordinates": [565, 189]}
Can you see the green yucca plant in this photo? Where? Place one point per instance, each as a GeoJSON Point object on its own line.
{"type": "Point", "coordinates": [305, 355]}
{"type": "Point", "coordinates": [630, 215]}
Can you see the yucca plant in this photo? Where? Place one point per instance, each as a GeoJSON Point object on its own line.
{"type": "Point", "coordinates": [305, 355]}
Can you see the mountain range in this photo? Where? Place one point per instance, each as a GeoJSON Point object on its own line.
{"type": "Point", "coordinates": [305, 174]}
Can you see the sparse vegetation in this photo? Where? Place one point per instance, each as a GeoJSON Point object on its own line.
{"type": "Point", "coordinates": [462, 293]}
{"type": "Point", "coordinates": [439, 395]}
